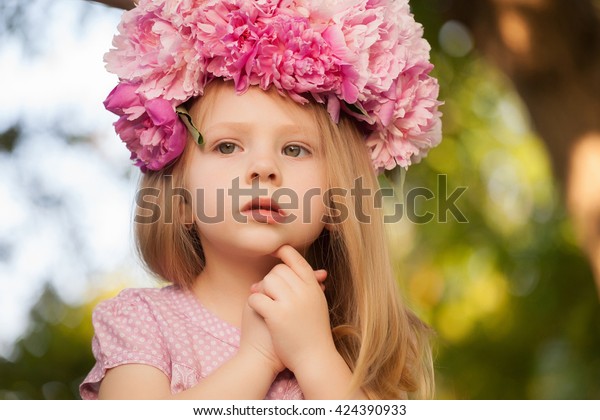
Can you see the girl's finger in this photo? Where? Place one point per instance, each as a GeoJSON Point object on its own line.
{"type": "Point", "coordinates": [293, 259]}
{"type": "Point", "coordinates": [321, 275]}
{"type": "Point", "coordinates": [261, 304]}
{"type": "Point", "coordinates": [257, 287]}
{"type": "Point", "coordinates": [274, 285]}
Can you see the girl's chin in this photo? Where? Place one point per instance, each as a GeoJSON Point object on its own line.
{"type": "Point", "coordinates": [262, 251]}
{"type": "Point", "coordinates": [256, 250]}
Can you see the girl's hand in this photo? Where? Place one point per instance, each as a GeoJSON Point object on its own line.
{"type": "Point", "coordinates": [291, 300]}
{"type": "Point", "coordinates": [256, 343]}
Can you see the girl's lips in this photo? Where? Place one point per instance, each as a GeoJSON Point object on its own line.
{"type": "Point", "coordinates": [264, 210]}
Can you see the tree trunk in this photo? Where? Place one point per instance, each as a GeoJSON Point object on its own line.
{"type": "Point", "coordinates": [119, 4]}
{"type": "Point", "coordinates": [550, 49]}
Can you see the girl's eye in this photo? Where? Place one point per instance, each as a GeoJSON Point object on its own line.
{"type": "Point", "coordinates": [226, 148]}
{"type": "Point", "coordinates": [294, 150]}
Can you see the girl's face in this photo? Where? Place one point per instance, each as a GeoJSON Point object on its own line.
{"type": "Point", "coordinates": [258, 180]}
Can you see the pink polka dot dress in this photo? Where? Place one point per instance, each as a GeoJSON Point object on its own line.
{"type": "Point", "coordinates": [169, 329]}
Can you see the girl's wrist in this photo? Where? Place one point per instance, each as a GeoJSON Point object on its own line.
{"type": "Point", "coordinates": [318, 355]}
{"type": "Point", "coordinates": [261, 362]}
{"type": "Point", "coordinates": [327, 376]}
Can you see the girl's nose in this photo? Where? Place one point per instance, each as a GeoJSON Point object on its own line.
{"type": "Point", "coordinates": [264, 169]}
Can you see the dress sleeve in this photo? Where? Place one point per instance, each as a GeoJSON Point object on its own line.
{"type": "Point", "coordinates": [126, 330]}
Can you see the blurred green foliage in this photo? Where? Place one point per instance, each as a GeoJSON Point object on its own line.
{"type": "Point", "coordinates": [509, 293]}
{"type": "Point", "coordinates": [53, 357]}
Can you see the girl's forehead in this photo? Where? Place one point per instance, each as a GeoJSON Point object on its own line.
{"type": "Point", "coordinates": [226, 109]}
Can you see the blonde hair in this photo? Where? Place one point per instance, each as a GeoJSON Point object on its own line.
{"type": "Point", "coordinates": [384, 344]}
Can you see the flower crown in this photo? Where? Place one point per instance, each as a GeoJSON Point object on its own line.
{"type": "Point", "coordinates": [367, 58]}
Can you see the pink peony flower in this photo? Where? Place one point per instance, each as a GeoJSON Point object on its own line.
{"type": "Point", "coordinates": [410, 120]}
{"type": "Point", "coordinates": [151, 129]}
{"type": "Point", "coordinates": [155, 53]}
{"type": "Point", "coordinates": [302, 59]}
{"type": "Point", "coordinates": [233, 37]}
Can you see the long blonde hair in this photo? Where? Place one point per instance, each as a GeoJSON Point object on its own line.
{"type": "Point", "coordinates": [384, 344]}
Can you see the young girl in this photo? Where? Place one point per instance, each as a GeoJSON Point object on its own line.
{"type": "Point", "coordinates": [255, 124]}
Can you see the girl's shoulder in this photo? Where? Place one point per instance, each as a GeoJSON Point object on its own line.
{"type": "Point", "coordinates": [151, 300]}
{"type": "Point", "coordinates": [170, 311]}
{"type": "Point", "coordinates": [147, 294]}
{"type": "Point", "coordinates": [136, 326]}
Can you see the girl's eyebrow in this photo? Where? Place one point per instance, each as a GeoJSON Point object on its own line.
{"type": "Point", "coordinates": [282, 129]}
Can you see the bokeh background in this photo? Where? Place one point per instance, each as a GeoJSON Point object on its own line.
{"type": "Point", "coordinates": [510, 293]}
